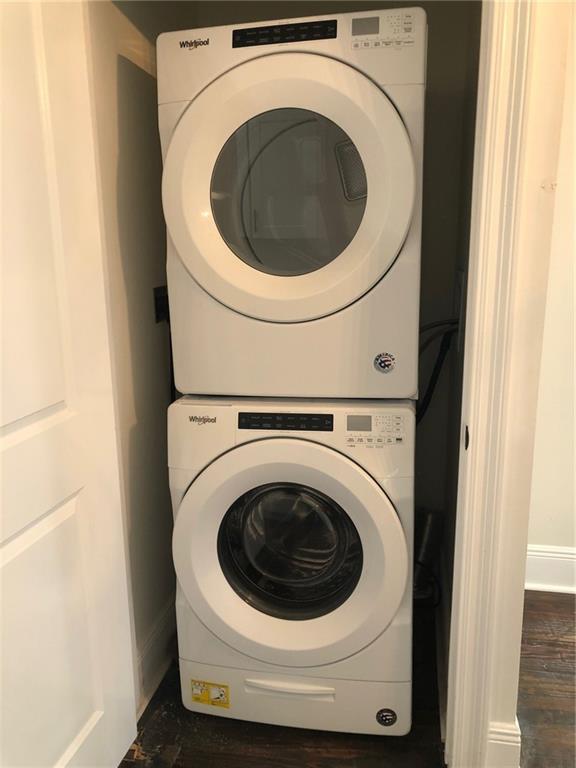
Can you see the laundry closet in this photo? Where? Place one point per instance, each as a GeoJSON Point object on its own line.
{"type": "Point", "coordinates": [448, 137]}
{"type": "Point", "coordinates": [117, 145]}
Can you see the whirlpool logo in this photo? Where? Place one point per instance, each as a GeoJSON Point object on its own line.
{"type": "Point", "coordinates": [194, 43]}
{"type": "Point", "coordinates": [201, 420]}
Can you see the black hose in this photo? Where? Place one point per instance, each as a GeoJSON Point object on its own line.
{"type": "Point", "coordinates": [438, 323]}
{"type": "Point", "coordinates": [435, 335]}
{"type": "Point", "coordinates": [442, 353]}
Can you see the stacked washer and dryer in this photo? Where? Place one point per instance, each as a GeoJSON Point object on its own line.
{"type": "Point", "coordinates": [292, 196]}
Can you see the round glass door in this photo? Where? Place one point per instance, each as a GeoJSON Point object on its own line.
{"type": "Point", "coordinates": [288, 191]}
{"type": "Point", "coordinates": [290, 551]}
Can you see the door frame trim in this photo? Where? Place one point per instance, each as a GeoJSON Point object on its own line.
{"type": "Point", "coordinates": [504, 328]}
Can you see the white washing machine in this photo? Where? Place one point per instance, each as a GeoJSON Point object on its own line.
{"type": "Point", "coordinates": [292, 196]}
{"type": "Point", "coordinates": [293, 554]}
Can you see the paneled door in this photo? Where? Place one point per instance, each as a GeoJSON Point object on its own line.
{"type": "Point", "coordinates": [67, 690]}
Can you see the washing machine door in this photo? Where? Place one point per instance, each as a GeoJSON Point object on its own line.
{"type": "Point", "coordinates": [290, 553]}
{"type": "Point", "coordinates": [288, 187]}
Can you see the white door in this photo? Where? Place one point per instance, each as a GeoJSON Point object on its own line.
{"type": "Point", "coordinates": [288, 186]}
{"type": "Point", "coordinates": [290, 552]}
{"type": "Point", "coordinates": [66, 669]}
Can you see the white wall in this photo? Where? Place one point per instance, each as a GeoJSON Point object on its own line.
{"type": "Point", "coordinates": [552, 534]}
{"type": "Point", "coordinates": [129, 164]}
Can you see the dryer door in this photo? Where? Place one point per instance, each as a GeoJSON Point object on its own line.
{"type": "Point", "coordinates": [290, 553]}
{"type": "Point", "coordinates": [288, 187]}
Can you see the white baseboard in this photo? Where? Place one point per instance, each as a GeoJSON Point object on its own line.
{"type": "Point", "coordinates": [503, 748]}
{"type": "Point", "coordinates": [155, 655]}
{"type": "Point", "coordinates": [551, 569]}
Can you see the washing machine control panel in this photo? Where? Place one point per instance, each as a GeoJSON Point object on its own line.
{"type": "Point", "coordinates": [374, 431]}
{"type": "Point", "coordinates": [307, 422]}
{"type": "Point", "coordinates": [353, 430]}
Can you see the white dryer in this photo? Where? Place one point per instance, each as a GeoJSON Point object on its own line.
{"type": "Point", "coordinates": [292, 196]}
{"type": "Point", "coordinates": [293, 553]}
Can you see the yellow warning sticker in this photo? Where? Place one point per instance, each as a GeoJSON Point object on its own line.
{"type": "Point", "coordinates": [214, 694]}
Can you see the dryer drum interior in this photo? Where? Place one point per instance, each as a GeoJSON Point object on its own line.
{"type": "Point", "coordinates": [288, 191]}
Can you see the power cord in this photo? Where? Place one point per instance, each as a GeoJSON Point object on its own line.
{"type": "Point", "coordinates": [436, 335]}
{"type": "Point", "coordinates": [438, 324]}
{"type": "Point", "coordinates": [433, 581]}
{"type": "Point", "coordinates": [446, 330]}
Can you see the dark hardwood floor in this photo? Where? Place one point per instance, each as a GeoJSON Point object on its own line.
{"type": "Point", "coordinates": [547, 695]}
{"type": "Point", "coordinates": [171, 737]}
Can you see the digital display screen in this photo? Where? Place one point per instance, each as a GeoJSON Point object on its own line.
{"type": "Point", "coordinates": [368, 26]}
{"type": "Point", "coordinates": [359, 423]}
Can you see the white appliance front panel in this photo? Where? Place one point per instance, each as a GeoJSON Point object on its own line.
{"type": "Point", "coordinates": [329, 637]}
{"type": "Point", "coordinates": [218, 351]}
{"type": "Point", "coordinates": [394, 54]}
{"type": "Point", "coordinates": [372, 133]}
{"type": "Point", "coordinates": [381, 709]}
{"type": "Point", "coordinates": [387, 658]}
{"type": "Point", "coordinates": [201, 429]}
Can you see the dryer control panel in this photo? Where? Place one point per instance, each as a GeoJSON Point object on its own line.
{"type": "Point", "coordinates": [393, 29]}
{"type": "Point", "coordinates": [284, 33]}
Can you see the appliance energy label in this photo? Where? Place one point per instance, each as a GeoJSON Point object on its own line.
{"type": "Point", "coordinates": [213, 694]}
